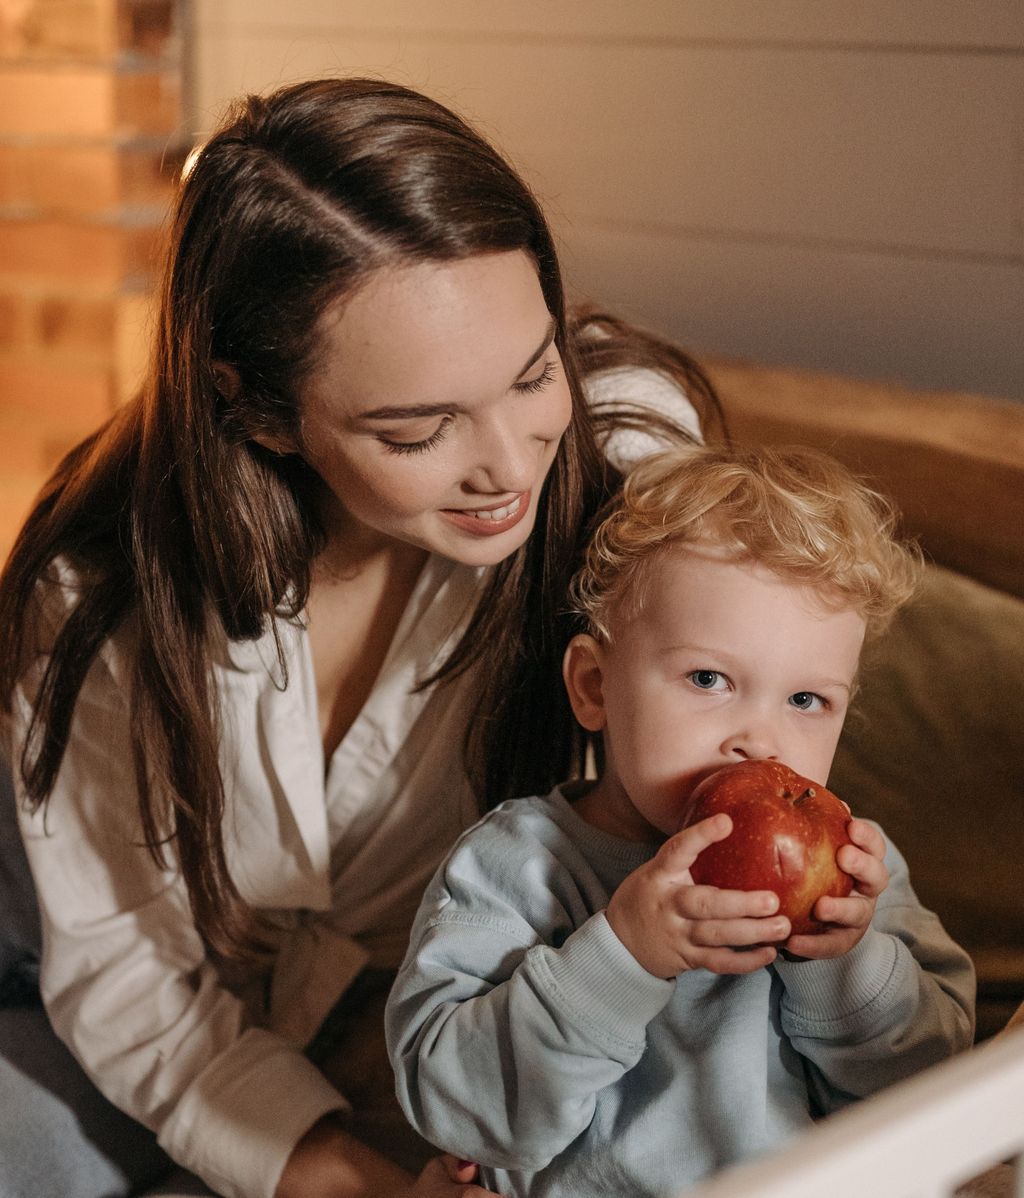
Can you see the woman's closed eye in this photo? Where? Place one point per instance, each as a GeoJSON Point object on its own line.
{"type": "Point", "coordinates": [420, 446]}
{"type": "Point", "coordinates": [525, 386]}
{"type": "Point", "coordinates": [546, 376]}
{"type": "Point", "coordinates": [808, 701]}
{"type": "Point", "coordinates": [708, 680]}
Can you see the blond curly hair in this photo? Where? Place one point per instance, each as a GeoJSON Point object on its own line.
{"type": "Point", "coordinates": [793, 510]}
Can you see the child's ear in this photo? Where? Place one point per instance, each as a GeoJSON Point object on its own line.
{"type": "Point", "coordinates": [581, 669]}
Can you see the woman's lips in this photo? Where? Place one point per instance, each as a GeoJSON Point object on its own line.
{"type": "Point", "coordinates": [488, 522]}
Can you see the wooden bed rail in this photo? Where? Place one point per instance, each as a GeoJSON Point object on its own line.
{"type": "Point", "coordinates": [920, 1139]}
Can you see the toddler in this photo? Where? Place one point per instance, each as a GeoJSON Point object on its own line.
{"type": "Point", "coordinates": [574, 1013]}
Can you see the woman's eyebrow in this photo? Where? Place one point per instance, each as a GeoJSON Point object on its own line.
{"type": "Point", "coordinates": [411, 411]}
{"type": "Point", "coordinates": [541, 349]}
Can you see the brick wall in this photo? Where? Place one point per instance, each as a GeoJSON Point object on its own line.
{"type": "Point", "coordinates": [90, 145]}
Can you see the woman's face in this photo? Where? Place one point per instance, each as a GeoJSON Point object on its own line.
{"type": "Point", "coordinates": [436, 406]}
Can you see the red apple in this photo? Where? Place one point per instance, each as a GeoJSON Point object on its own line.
{"type": "Point", "coordinates": [786, 831]}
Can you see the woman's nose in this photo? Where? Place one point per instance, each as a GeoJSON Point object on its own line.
{"type": "Point", "coordinates": [506, 459]}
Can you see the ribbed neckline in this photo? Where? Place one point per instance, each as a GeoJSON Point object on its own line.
{"type": "Point", "coordinates": [595, 841]}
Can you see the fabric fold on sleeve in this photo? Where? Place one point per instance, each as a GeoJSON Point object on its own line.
{"type": "Point", "coordinates": [261, 1095]}
{"type": "Point", "coordinates": [601, 983]}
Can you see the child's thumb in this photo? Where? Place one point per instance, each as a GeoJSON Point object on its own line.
{"type": "Point", "coordinates": [461, 1171]}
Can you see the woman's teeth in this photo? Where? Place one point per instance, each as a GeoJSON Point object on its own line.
{"type": "Point", "coordinates": [499, 513]}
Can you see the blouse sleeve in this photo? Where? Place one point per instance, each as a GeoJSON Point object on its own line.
{"type": "Point", "coordinates": [126, 979]}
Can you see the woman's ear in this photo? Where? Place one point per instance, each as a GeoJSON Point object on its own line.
{"type": "Point", "coordinates": [581, 669]}
{"type": "Point", "coordinates": [228, 382]}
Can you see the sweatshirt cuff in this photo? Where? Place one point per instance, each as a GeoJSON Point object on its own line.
{"type": "Point", "coordinates": [603, 984]}
{"type": "Point", "coordinates": [842, 990]}
{"type": "Point", "coordinates": [239, 1121]}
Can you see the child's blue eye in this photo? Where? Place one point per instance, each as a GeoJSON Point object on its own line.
{"type": "Point", "coordinates": [707, 680]}
{"type": "Point", "coordinates": [807, 701]}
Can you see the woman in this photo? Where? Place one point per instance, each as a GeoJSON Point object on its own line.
{"type": "Point", "coordinates": [282, 626]}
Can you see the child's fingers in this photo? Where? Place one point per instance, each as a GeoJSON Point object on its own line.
{"type": "Point", "coordinates": [812, 946]}
{"type": "Point", "coordinates": [738, 933]}
{"type": "Point", "coordinates": [727, 960]}
{"type": "Point", "coordinates": [461, 1171]}
{"type": "Point", "coordinates": [867, 870]}
{"type": "Point", "coordinates": [867, 837]}
{"type": "Point", "coordinates": [852, 912]}
{"type": "Point", "coordinates": [708, 902]}
{"type": "Point", "coordinates": [679, 852]}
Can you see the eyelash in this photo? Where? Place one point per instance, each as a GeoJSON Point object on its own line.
{"type": "Point", "coordinates": [532, 386]}
{"type": "Point", "coordinates": [419, 446]}
{"type": "Point", "coordinates": [527, 387]}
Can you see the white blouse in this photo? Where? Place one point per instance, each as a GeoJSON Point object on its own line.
{"type": "Point", "coordinates": [207, 1055]}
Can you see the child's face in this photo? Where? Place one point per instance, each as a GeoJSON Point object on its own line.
{"type": "Point", "coordinates": [727, 661]}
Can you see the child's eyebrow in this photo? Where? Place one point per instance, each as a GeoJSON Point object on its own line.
{"type": "Point", "coordinates": [722, 655]}
{"type": "Point", "coordinates": [827, 682]}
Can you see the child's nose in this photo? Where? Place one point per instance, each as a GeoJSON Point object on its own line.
{"type": "Point", "coordinates": [751, 743]}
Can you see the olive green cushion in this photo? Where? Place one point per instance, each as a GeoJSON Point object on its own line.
{"type": "Point", "coordinates": [934, 750]}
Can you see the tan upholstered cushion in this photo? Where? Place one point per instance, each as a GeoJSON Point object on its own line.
{"type": "Point", "coordinates": [934, 750]}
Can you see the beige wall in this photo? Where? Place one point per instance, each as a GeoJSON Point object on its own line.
{"type": "Point", "coordinates": [808, 182]}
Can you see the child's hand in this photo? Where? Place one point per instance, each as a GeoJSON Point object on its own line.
{"type": "Point", "coordinates": [849, 917]}
{"type": "Point", "coordinates": [671, 925]}
{"type": "Point", "coordinates": [448, 1177]}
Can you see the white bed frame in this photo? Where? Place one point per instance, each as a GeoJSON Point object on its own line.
{"type": "Point", "coordinates": [920, 1139]}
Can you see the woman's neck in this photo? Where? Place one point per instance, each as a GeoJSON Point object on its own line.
{"type": "Point", "coordinates": [357, 598]}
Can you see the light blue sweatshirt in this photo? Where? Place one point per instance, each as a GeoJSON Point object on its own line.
{"type": "Point", "coordinates": [526, 1037]}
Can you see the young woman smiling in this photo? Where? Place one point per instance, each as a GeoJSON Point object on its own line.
{"type": "Point", "coordinates": [279, 630]}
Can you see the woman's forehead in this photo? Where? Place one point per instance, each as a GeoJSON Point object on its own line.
{"type": "Point", "coordinates": [432, 332]}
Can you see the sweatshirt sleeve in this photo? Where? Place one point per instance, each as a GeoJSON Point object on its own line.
{"type": "Point", "coordinates": [505, 1021]}
{"type": "Point", "coordinates": [900, 1001]}
{"type": "Point", "coordinates": [126, 980]}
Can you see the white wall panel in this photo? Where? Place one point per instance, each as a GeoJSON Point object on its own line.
{"type": "Point", "coordinates": [866, 158]}
{"type": "Point", "coordinates": [874, 149]}
{"type": "Point", "coordinates": [990, 24]}
{"type": "Point", "coordinates": [935, 322]}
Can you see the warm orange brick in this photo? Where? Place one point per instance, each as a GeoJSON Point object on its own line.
{"type": "Point", "coordinates": [147, 27]}
{"type": "Point", "coordinates": [15, 321]}
{"type": "Point", "coordinates": [17, 493]}
{"type": "Point", "coordinates": [148, 102]}
{"type": "Point", "coordinates": [135, 326]}
{"type": "Point", "coordinates": [58, 28]}
{"type": "Point", "coordinates": [86, 101]}
{"type": "Point", "coordinates": [79, 102]}
{"type": "Point", "coordinates": [92, 178]}
{"type": "Point", "coordinates": [70, 323]}
{"type": "Point", "coordinates": [61, 178]}
{"type": "Point", "coordinates": [86, 29]}
{"type": "Point", "coordinates": [80, 326]}
{"type": "Point", "coordinates": [69, 399]}
{"type": "Point", "coordinates": [33, 443]}
{"type": "Point", "coordinates": [98, 254]}
{"type": "Point", "coordinates": [51, 250]}
{"type": "Point", "coordinates": [150, 176]}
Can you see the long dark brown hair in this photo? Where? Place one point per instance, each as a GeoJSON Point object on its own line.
{"type": "Point", "coordinates": [181, 530]}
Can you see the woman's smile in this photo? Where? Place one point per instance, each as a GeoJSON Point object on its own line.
{"type": "Point", "coordinates": [488, 521]}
